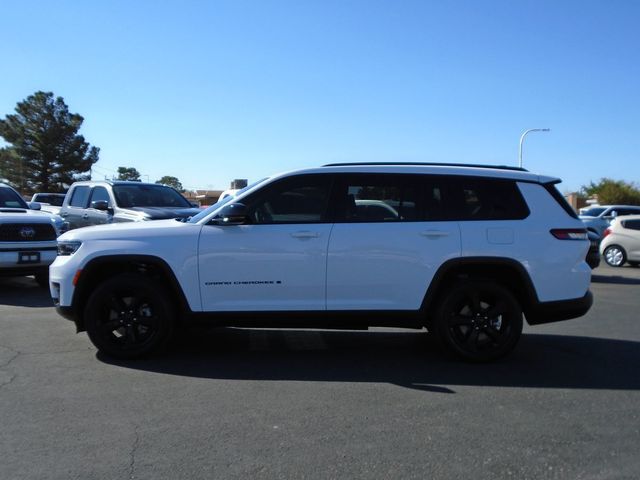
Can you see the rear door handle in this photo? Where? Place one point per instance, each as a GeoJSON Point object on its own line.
{"type": "Point", "coordinates": [434, 233]}
{"type": "Point", "coordinates": [305, 234]}
{"type": "Point", "coordinates": [85, 216]}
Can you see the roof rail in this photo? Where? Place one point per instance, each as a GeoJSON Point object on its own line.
{"type": "Point", "coordinates": [429, 164]}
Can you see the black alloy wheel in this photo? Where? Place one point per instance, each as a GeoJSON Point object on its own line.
{"type": "Point", "coordinates": [479, 321]}
{"type": "Point", "coordinates": [129, 316]}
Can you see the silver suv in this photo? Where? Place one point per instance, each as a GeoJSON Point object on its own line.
{"type": "Point", "coordinates": [27, 237]}
{"type": "Point", "coordinates": [466, 252]}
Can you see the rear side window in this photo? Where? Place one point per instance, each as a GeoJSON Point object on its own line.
{"type": "Point", "coordinates": [372, 198]}
{"type": "Point", "coordinates": [79, 197]}
{"type": "Point", "coordinates": [631, 224]}
{"type": "Point", "coordinates": [474, 198]}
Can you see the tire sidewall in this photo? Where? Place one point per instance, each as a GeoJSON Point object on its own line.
{"type": "Point", "coordinates": [618, 247]}
{"type": "Point", "coordinates": [156, 295]}
{"type": "Point", "coordinates": [451, 299]}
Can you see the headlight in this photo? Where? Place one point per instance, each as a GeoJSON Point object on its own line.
{"type": "Point", "coordinates": [68, 248]}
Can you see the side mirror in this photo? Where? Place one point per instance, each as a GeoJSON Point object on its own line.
{"type": "Point", "coordinates": [195, 204]}
{"type": "Point", "coordinates": [101, 205]}
{"type": "Point", "coordinates": [234, 214]}
{"type": "Point", "coordinates": [35, 205]}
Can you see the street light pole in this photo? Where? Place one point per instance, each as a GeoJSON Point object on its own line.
{"type": "Point", "coordinates": [522, 140]}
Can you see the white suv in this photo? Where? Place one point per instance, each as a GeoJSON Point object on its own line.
{"type": "Point", "coordinates": [466, 253]}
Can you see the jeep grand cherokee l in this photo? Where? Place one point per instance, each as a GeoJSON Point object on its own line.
{"type": "Point", "coordinates": [467, 254]}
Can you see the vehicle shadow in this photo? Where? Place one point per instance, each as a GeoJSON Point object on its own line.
{"type": "Point", "coordinates": [407, 359]}
{"type": "Point", "coordinates": [23, 292]}
{"type": "Point", "coordinates": [615, 280]}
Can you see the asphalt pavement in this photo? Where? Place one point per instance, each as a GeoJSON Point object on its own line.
{"type": "Point", "coordinates": [384, 403]}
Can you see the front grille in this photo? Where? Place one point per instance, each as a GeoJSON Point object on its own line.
{"type": "Point", "coordinates": [27, 232]}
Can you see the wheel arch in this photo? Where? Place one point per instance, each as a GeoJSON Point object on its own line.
{"type": "Point", "coordinates": [102, 268]}
{"type": "Point", "coordinates": [506, 271]}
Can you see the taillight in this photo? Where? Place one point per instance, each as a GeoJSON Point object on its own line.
{"type": "Point", "coordinates": [606, 232]}
{"type": "Point", "coordinates": [570, 233]}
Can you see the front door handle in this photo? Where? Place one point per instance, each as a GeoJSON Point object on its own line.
{"type": "Point", "coordinates": [305, 234]}
{"type": "Point", "coordinates": [434, 233]}
{"type": "Point", "coordinates": [85, 216]}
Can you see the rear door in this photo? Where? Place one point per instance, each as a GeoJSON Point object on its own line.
{"type": "Point", "coordinates": [390, 237]}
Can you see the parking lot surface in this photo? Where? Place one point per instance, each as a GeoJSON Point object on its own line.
{"type": "Point", "coordinates": [384, 403]}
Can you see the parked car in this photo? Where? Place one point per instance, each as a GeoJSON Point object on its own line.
{"type": "Point", "coordinates": [471, 251]}
{"type": "Point", "coordinates": [598, 218]}
{"type": "Point", "coordinates": [593, 255]}
{"type": "Point", "coordinates": [98, 202]}
{"type": "Point", "coordinates": [621, 242]}
{"type": "Point", "coordinates": [27, 237]}
{"type": "Point", "coordinates": [49, 202]}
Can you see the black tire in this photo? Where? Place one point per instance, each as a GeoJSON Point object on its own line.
{"type": "Point", "coordinates": [129, 316]}
{"type": "Point", "coordinates": [479, 321]}
{"type": "Point", "coordinates": [42, 278]}
{"type": "Point", "coordinates": [614, 255]}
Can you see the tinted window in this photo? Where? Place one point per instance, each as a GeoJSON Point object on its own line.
{"type": "Point", "coordinates": [148, 196]}
{"type": "Point", "coordinates": [10, 199]}
{"type": "Point", "coordinates": [378, 198]}
{"type": "Point", "coordinates": [631, 224]}
{"type": "Point", "coordinates": [301, 199]}
{"type": "Point", "coordinates": [99, 194]}
{"type": "Point", "coordinates": [627, 211]}
{"type": "Point", "coordinates": [55, 200]}
{"type": "Point", "coordinates": [486, 199]}
{"type": "Point", "coordinates": [593, 211]}
{"type": "Point", "coordinates": [79, 196]}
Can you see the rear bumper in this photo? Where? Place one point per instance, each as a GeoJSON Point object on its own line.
{"type": "Point", "coordinates": [548, 312]}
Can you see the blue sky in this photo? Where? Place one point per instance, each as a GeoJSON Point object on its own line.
{"type": "Point", "coordinates": [209, 91]}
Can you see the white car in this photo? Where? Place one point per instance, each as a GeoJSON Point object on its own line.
{"type": "Point", "coordinates": [598, 217]}
{"type": "Point", "coordinates": [464, 251]}
{"type": "Point", "coordinates": [621, 242]}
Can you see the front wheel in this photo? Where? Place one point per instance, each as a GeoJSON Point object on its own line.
{"type": "Point", "coordinates": [479, 321]}
{"type": "Point", "coordinates": [615, 255]}
{"type": "Point", "coordinates": [129, 316]}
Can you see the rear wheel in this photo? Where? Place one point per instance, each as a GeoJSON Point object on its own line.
{"type": "Point", "coordinates": [129, 316]}
{"type": "Point", "coordinates": [479, 321]}
{"type": "Point", "coordinates": [615, 255]}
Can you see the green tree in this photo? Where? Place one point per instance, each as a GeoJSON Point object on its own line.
{"type": "Point", "coordinates": [613, 192]}
{"type": "Point", "coordinates": [45, 151]}
{"type": "Point", "coordinates": [128, 173]}
{"type": "Point", "coordinates": [172, 182]}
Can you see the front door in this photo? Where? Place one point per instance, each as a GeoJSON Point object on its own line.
{"type": "Point", "coordinates": [275, 262]}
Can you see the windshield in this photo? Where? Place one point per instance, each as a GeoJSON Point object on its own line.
{"type": "Point", "coordinates": [10, 199]}
{"type": "Point", "coordinates": [593, 212]}
{"type": "Point", "coordinates": [215, 206]}
{"type": "Point", "coordinates": [128, 196]}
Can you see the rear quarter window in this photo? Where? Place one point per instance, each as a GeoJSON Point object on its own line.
{"type": "Point", "coordinates": [474, 198]}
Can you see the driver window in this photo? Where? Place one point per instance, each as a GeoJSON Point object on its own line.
{"type": "Point", "coordinates": [99, 193]}
{"type": "Point", "coordinates": [298, 200]}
